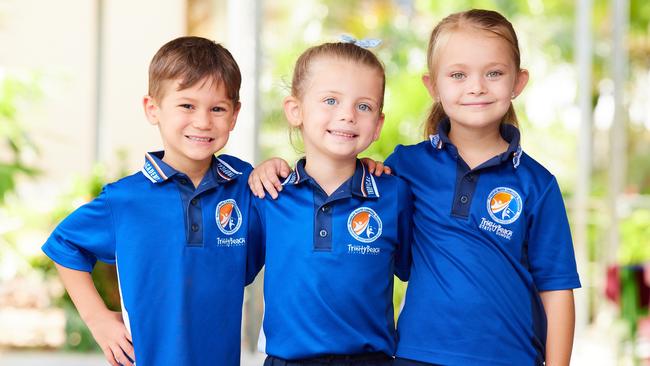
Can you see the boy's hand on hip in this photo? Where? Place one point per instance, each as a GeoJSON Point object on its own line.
{"type": "Point", "coordinates": [113, 338]}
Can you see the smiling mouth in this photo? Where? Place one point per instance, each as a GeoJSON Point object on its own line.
{"type": "Point", "coordinates": [476, 104]}
{"type": "Point", "coordinates": [342, 134]}
{"type": "Point", "coordinates": [200, 139]}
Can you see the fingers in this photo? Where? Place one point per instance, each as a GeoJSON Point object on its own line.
{"type": "Point", "coordinates": [109, 356]}
{"type": "Point", "coordinates": [284, 168]}
{"type": "Point", "coordinates": [127, 349]}
{"type": "Point", "coordinates": [268, 181]}
{"type": "Point", "coordinates": [255, 184]}
{"type": "Point", "coordinates": [379, 169]}
{"type": "Point", "coordinates": [387, 170]}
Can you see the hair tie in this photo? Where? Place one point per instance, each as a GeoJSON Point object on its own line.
{"type": "Point", "coordinates": [363, 43]}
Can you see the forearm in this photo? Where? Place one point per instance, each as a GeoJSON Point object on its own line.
{"type": "Point", "coordinates": [560, 314]}
{"type": "Point", "coordinates": [83, 293]}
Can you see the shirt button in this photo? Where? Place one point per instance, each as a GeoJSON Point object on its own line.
{"type": "Point", "coordinates": [470, 177]}
{"type": "Point", "coordinates": [323, 233]}
{"type": "Point", "coordinates": [195, 227]}
{"type": "Point", "coordinates": [325, 208]}
{"type": "Point", "coordinates": [194, 201]}
{"type": "Point", "coordinates": [183, 181]}
{"type": "Point", "coordinates": [464, 199]}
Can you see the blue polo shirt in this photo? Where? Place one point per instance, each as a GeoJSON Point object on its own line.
{"type": "Point", "coordinates": [183, 256]}
{"type": "Point", "coordinates": [330, 260]}
{"type": "Point", "coordinates": [486, 242]}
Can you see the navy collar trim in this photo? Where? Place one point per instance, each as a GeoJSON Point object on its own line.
{"type": "Point", "coordinates": [362, 183]}
{"type": "Point", "coordinates": [157, 171]}
{"type": "Point", "coordinates": [509, 133]}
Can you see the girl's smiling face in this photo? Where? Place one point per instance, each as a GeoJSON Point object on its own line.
{"type": "Point", "coordinates": [475, 78]}
{"type": "Point", "coordinates": [340, 111]}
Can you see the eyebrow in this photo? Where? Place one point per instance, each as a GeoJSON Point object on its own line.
{"type": "Point", "coordinates": [492, 64]}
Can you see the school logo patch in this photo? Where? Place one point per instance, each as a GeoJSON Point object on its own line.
{"type": "Point", "coordinates": [364, 225]}
{"type": "Point", "coordinates": [228, 216]}
{"type": "Point", "coordinates": [504, 205]}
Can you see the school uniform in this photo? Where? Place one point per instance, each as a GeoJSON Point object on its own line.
{"type": "Point", "coordinates": [486, 242]}
{"type": "Point", "coordinates": [183, 256]}
{"type": "Point", "coordinates": [330, 260]}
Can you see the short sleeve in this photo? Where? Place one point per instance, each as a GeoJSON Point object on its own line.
{"type": "Point", "coordinates": [255, 247]}
{"type": "Point", "coordinates": [550, 248]}
{"type": "Point", "coordinates": [392, 161]}
{"type": "Point", "coordinates": [405, 219]}
{"type": "Point", "coordinates": [85, 236]}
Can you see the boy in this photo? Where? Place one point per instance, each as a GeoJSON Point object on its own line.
{"type": "Point", "coordinates": [180, 232]}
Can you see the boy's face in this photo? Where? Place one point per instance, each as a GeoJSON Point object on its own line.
{"type": "Point", "coordinates": [194, 122]}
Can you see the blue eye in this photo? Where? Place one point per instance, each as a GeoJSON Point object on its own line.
{"type": "Point", "coordinates": [364, 107]}
{"type": "Point", "coordinates": [457, 75]}
{"type": "Point", "coordinates": [494, 74]}
{"type": "Point", "coordinates": [186, 106]}
{"type": "Point", "coordinates": [218, 109]}
{"type": "Point", "coordinates": [330, 101]}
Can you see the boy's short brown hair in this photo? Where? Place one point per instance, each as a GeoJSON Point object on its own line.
{"type": "Point", "coordinates": [191, 59]}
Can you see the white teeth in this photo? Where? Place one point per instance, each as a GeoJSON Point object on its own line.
{"type": "Point", "coordinates": [342, 134]}
{"type": "Point", "coordinates": [200, 139]}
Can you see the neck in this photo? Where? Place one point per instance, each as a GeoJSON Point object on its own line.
{"type": "Point", "coordinates": [195, 172]}
{"type": "Point", "coordinates": [328, 173]}
{"type": "Point", "coordinates": [476, 146]}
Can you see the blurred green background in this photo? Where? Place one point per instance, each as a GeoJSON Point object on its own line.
{"type": "Point", "coordinates": [548, 110]}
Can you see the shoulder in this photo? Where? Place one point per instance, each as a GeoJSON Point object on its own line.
{"type": "Point", "coordinates": [418, 148]}
{"type": "Point", "coordinates": [391, 185]}
{"type": "Point", "coordinates": [533, 171]}
{"type": "Point", "coordinates": [234, 163]}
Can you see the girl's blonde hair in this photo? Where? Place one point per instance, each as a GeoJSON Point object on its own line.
{"type": "Point", "coordinates": [485, 20]}
{"type": "Point", "coordinates": [338, 50]}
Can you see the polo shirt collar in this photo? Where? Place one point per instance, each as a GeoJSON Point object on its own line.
{"type": "Point", "coordinates": [157, 171]}
{"type": "Point", "coordinates": [361, 184]}
{"type": "Point", "coordinates": [508, 132]}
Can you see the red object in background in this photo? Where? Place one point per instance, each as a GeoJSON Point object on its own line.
{"type": "Point", "coordinates": [642, 279]}
{"type": "Point", "coordinates": [613, 284]}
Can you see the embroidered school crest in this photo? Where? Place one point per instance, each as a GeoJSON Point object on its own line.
{"type": "Point", "coordinates": [228, 216]}
{"type": "Point", "coordinates": [504, 205]}
{"type": "Point", "coordinates": [364, 225]}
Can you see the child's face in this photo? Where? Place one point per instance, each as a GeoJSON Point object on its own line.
{"type": "Point", "coordinates": [476, 78]}
{"type": "Point", "coordinates": [194, 122]}
{"type": "Point", "coordinates": [339, 113]}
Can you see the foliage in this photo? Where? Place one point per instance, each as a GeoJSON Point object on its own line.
{"type": "Point", "coordinates": [15, 92]}
{"type": "Point", "coordinates": [635, 235]}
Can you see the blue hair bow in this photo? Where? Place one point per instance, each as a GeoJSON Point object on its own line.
{"type": "Point", "coordinates": [363, 43]}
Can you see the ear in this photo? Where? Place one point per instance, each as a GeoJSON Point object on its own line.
{"type": "Point", "coordinates": [150, 109]}
{"type": "Point", "coordinates": [428, 82]}
{"type": "Point", "coordinates": [380, 124]}
{"type": "Point", "coordinates": [520, 82]}
{"type": "Point", "coordinates": [234, 116]}
{"type": "Point", "coordinates": [292, 111]}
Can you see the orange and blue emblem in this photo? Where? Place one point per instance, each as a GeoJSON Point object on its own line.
{"type": "Point", "coordinates": [504, 205]}
{"type": "Point", "coordinates": [364, 225]}
{"type": "Point", "coordinates": [228, 216]}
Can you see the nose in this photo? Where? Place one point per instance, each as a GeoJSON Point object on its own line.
{"type": "Point", "coordinates": [346, 113]}
{"type": "Point", "coordinates": [476, 86]}
{"type": "Point", "coordinates": [201, 121]}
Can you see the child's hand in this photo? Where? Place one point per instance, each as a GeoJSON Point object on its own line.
{"type": "Point", "coordinates": [265, 176]}
{"type": "Point", "coordinates": [110, 333]}
{"type": "Point", "coordinates": [375, 167]}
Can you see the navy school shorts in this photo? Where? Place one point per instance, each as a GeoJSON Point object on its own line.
{"type": "Point", "coordinates": [365, 359]}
